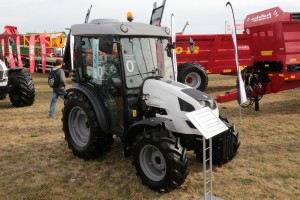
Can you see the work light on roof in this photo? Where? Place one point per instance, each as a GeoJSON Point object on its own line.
{"type": "Point", "coordinates": [124, 28]}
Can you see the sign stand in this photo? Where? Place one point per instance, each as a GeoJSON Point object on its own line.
{"type": "Point", "coordinates": [207, 173]}
{"type": "Point", "coordinates": [209, 126]}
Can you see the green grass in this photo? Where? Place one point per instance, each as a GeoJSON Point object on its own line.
{"type": "Point", "coordinates": [35, 162]}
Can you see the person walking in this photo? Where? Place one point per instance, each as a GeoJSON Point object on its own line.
{"type": "Point", "coordinates": [60, 90]}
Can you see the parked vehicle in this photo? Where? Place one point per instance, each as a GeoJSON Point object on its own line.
{"type": "Point", "coordinates": [18, 84]}
{"type": "Point", "coordinates": [123, 85]}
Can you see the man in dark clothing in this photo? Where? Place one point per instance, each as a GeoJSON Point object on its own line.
{"type": "Point", "coordinates": [59, 91]}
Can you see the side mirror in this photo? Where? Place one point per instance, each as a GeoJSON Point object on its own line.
{"type": "Point", "coordinates": [192, 45]}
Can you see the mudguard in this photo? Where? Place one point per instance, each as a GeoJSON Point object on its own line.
{"type": "Point", "coordinates": [103, 115]}
{"type": "Point", "coordinates": [137, 128]}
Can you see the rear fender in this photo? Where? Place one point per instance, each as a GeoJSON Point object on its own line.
{"type": "Point", "coordinates": [137, 128]}
{"type": "Point", "coordinates": [97, 101]}
{"type": "Point", "coordinates": [12, 71]}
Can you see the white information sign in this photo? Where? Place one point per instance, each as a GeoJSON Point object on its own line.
{"type": "Point", "coordinates": [206, 122]}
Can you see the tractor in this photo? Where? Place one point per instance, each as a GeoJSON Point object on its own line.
{"type": "Point", "coordinates": [124, 87]}
{"type": "Point", "coordinates": [18, 84]}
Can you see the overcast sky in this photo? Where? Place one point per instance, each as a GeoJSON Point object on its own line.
{"type": "Point", "coordinates": [204, 16]}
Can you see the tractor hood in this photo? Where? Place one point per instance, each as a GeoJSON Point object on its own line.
{"type": "Point", "coordinates": [176, 98]}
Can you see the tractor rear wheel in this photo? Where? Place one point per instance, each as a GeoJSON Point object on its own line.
{"type": "Point", "coordinates": [81, 128]}
{"type": "Point", "coordinates": [193, 75]}
{"type": "Point", "coordinates": [21, 88]}
{"type": "Point", "coordinates": [160, 160]}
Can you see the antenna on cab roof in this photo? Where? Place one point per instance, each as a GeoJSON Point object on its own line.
{"type": "Point", "coordinates": [88, 15]}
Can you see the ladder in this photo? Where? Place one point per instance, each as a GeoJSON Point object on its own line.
{"type": "Point", "coordinates": [207, 171]}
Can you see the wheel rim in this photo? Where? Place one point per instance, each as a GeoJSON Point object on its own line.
{"type": "Point", "coordinates": [152, 163]}
{"type": "Point", "coordinates": [193, 80]}
{"type": "Point", "coordinates": [79, 126]}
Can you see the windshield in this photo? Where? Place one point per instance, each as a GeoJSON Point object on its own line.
{"type": "Point", "coordinates": [145, 57]}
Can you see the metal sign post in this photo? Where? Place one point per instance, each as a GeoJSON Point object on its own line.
{"type": "Point", "coordinates": [207, 173]}
{"type": "Point", "coordinates": [209, 125]}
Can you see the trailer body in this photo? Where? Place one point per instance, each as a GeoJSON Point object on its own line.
{"type": "Point", "coordinates": [274, 41]}
{"type": "Point", "coordinates": [214, 52]}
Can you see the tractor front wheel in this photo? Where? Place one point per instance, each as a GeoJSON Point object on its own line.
{"type": "Point", "coordinates": [160, 160]}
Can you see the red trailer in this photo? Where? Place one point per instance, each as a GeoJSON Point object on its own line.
{"type": "Point", "coordinates": [213, 54]}
{"type": "Point", "coordinates": [274, 41]}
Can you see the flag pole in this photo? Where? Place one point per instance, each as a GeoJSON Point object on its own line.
{"type": "Point", "coordinates": [242, 98]}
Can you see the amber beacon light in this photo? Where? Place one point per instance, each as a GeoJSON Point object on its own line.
{"type": "Point", "coordinates": [129, 16]}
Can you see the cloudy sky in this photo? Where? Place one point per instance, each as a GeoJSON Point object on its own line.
{"type": "Point", "coordinates": [204, 16]}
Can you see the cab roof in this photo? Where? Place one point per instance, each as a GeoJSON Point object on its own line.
{"type": "Point", "coordinates": [113, 27]}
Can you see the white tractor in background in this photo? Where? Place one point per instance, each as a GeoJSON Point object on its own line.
{"type": "Point", "coordinates": [18, 84]}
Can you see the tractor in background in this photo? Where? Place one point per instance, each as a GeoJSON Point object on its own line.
{"type": "Point", "coordinates": [18, 84]}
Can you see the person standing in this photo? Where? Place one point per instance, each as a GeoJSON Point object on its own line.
{"type": "Point", "coordinates": [60, 90]}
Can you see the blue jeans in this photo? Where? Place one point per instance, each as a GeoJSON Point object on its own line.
{"type": "Point", "coordinates": [59, 92]}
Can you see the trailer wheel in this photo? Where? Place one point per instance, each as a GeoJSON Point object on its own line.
{"type": "Point", "coordinates": [81, 128]}
{"type": "Point", "coordinates": [21, 88]}
{"type": "Point", "coordinates": [160, 160]}
{"type": "Point", "coordinates": [193, 75]}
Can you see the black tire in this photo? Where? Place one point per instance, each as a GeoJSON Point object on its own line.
{"type": "Point", "coordinates": [160, 160]}
{"type": "Point", "coordinates": [3, 96]}
{"type": "Point", "coordinates": [81, 128]}
{"type": "Point", "coordinates": [21, 88]}
{"type": "Point", "coordinates": [193, 75]}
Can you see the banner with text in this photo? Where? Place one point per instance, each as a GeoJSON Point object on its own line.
{"type": "Point", "coordinates": [3, 50]}
{"type": "Point", "coordinates": [31, 53]}
{"type": "Point", "coordinates": [20, 64]}
{"type": "Point", "coordinates": [43, 51]}
{"type": "Point", "coordinates": [11, 56]}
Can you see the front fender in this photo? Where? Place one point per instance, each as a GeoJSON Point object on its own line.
{"type": "Point", "coordinates": [102, 112]}
{"type": "Point", "coordinates": [137, 128]}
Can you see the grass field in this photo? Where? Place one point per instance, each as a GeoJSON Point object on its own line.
{"type": "Point", "coordinates": [35, 162]}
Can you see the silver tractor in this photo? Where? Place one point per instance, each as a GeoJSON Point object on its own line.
{"type": "Point", "coordinates": [124, 87]}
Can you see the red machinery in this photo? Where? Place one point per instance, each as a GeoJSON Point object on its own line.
{"type": "Point", "coordinates": [269, 47]}
{"type": "Point", "coordinates": [274, 41]}
{"type": "Point", "coordinates": [214, 52]}
{"type": "Point", "coordinates": [52, 40]}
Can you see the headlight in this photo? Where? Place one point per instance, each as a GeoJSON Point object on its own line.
{"type": "Point", "coordinates": [211, 104]}
{"type": "Point", "coordinates": [124, 28]}
{"type": "Point", "coordinates": [185, 106]}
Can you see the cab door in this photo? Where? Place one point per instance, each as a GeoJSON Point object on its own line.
{"type": "Point", "coordinates": [102, 69]}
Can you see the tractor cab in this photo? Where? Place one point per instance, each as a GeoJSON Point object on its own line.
{"type": "Point", "coordinates": [115, 58]}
